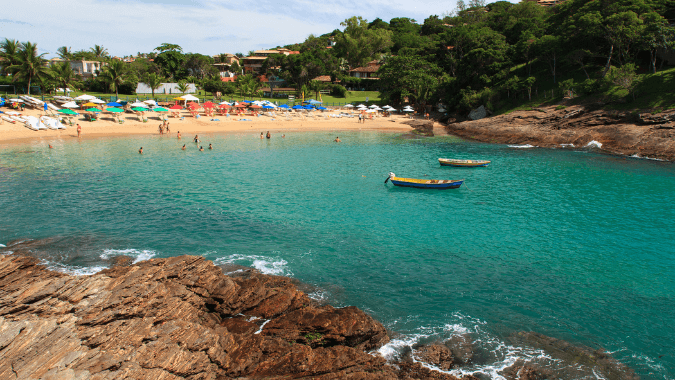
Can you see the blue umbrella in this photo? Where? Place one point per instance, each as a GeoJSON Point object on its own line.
{"type": "Point", "coordinates": [298, 107]}
{"type": "Point", "coordinates": [322, 108]}
{"type": "Point", "coordinates": [114, 104]}
{"type": "Point", "coordinates": [266, 107]}
{"type": "Point", "coordinates": [312, 101]}
{"type": "Point", "coordinates": [308, 107]}
{"type": "Point", "coordinates": [284, 106]}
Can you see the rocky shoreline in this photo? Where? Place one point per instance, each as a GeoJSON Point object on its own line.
{"type": "Point", "coordinates": [643, 135]}
{"type": "Point", "coordinates": [186, 318]}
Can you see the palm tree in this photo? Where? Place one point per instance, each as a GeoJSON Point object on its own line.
{"type": "Point", "coordinates": [153, 81]}
{"type": "Point", "coordinates": [63, 74]}
{"type": "Point", "coordinates": [316, 86]}
{"type": "Point", "coordinates": [115, 73]}
{"type": "Point", "coordinates": [29, 64]}
{"type": "Point", "coordinates": [99, 51]}
{"type": "Point", "coordinates": [222, 58]}
{"type": "Point", "coordinates": [182, 86]}
{"type": "Point", "coordinates": [64, 53]}
{"type": "Point", "coordinates": [8, 52]}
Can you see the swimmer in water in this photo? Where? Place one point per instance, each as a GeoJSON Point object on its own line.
{"type": "Point", "coordinates": [140, 150]}
{"type": "Point", "coordinates": [210, 147]}
{"type": "Point", "coordinates": [178, 135]}
{"type": "Point", "coordinates": [201, 148]}
{"type": "Point", "coordinates": [337, 139]}
{"type": "Point", "coordinates": [183, 148]}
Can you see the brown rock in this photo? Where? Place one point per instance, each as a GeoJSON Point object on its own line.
{"type": "Point", "coordinates": [435, 354]}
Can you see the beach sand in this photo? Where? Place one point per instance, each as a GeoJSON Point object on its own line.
{"type": "Point", "coordinates": [106, 126]}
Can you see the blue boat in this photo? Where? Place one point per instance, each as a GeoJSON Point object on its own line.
{"type": "Point", "coordinates": [440, 184]}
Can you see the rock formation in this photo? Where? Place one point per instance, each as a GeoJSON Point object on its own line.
{"type": "Point", "coordinates": [645, 135]}
{"type": "Point", "coordinates": [180, 318]}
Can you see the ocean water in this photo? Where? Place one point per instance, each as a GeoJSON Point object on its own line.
{"type": "Point", "coordinates": [572, 244]}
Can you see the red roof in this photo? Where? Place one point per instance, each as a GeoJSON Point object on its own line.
{"type": "Point", "coordinates": [228, 79]}
{"type": "Point", "coordinates": [323, 78]}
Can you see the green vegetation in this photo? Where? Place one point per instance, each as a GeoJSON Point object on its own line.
{"type": "Point", "coordinates": [501, 55]}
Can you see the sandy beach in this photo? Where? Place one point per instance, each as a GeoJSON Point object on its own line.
{"type": "Point", "coordinates": [106, 126]}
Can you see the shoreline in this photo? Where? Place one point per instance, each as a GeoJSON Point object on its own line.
{"type": "Point", "coordinates": [16, 134]}
{"type": "Point", "coordinates": [187, 317]}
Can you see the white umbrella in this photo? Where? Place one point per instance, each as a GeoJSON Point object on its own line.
{"type": "Point", "coordinates": [139, 104]}
{"type": "Point", "coordinates": [349, 106]}
{"type": "Point", "coordinates": [225, 103]}
{"type": "Point", "coordinates": [361, 105]}
{"type": "Point", "coordinates": [387, 106]}
{"type": "Point", "coordinates": [190, 97]}
{"type": "Point", "coordinates": [373, 106]}
{"type": "Point", "coordinates": [70, 105]}
{"type": "Point", "coordinates": [407, 110]}
{"type": "Point", "coordinates": [150, 102]}
{"type": "Point", "coordinates": [85, 97]}
{"type": "Point", "coordinates": [97, 101]}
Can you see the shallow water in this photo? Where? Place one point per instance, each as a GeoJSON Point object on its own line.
{"type": "Point", "coordinates": [571, 244]}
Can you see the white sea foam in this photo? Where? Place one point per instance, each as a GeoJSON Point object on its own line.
{"type": "Point", "coordinates": [71, 269]}
{"type": "Point", "coordinates": [138, 255]}
{"type": "Point", "coordinates": [2, 246]}
{"type": "Point", "coordinates": [522, 146]}
{"type": "Point", "coordinates": [261, 326]}
{"type": "Point", "coordinates": [267, 265]}
{"type": "Point", "coordinates": [646, 158]}
{"type": "Point", "coordinates": [594, 144]}
{"type": "Point", "coordinates": [567, 145]}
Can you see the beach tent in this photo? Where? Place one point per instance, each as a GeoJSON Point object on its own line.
{"type": "Point", "coordinates": [97, 101]}
{"type": "Point", "coordinates": [189, 97]}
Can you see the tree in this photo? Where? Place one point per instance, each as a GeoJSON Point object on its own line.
{"type": "Point", "coordinates": [173, 64]}
{"type": "Point", "coordinates": [182, 86]}
{"type": "Point", "coordinates": [198, 65]}
{"type": "Point", "coordinates": [235, 68]}
{"type": "Point", "coordinates": [64, 75]}
{"type": "Point", "coordinates": [64, 53]}
{"type": "Point", "coordinates": [115, 74]}
{"type": "Point", "coordinates": [99, 51]}
{"type": "Point", "coordinates": [548, 48]}
{"type": "Point", "coordinates": [168, 47]}
{"type": "Point", "coordinates": [29, 64]}
{"type": "Point", "coordinates": [153, 81]}
{"type": "Point", "coordinates": [656, 34]}
{"type": "Point", "coordinates": [316, 86]}
{"type": "Point", "coordinates": [625, 77]}
{"type": "Point", "coordinates": [409, 76]}
{"type": "Point", "coordinates": [359, 44]}
{"type": "Point", "coordinates": [9, 50]}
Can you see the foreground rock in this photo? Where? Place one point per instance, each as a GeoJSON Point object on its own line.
{"type": "Point", "coordinates": [645, 135]}
{"type": "Point", "coordinates": [181, 318]}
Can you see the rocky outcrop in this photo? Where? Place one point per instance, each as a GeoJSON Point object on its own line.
{"type": "Point", "coordinates": [640, 134]}
{"type": "Point", "coordinates": [181, 318]}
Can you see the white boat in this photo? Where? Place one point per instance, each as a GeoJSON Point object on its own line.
{"type": "Point", "coordinates": [6, 118]}
{"type": "Point", "coordinates": [19, 119]}
{"type": "Point", "coordinates": [34, 123]}
{"type": "Point", "coordinates": [52, 123]}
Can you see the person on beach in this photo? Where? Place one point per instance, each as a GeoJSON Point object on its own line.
{"type": "Point", "coordinates": [360, 118]}
{"type": "Point", "coordinates": [167, 128]}
{"type": "Point", "coordinates": [183, 148]}
{"type": "Point", "coordinates": [79, 130]}
{"type": "Point", "coordinates": [140, 150]}
{"type": "Point", "coordinates": [50, 146]}
{"type": "Point", "coordinates": [268, 135]}
{"type": "Point", "coordinates": [210, 146]}
{"type": "Point", "coordinates": [161, 130]}
{"type": "Point", "coordinates": [261, 135]}
{"type": "Point", "coordinates": [337, 139]}
{"type": "Point", "coordinates": [178, 135]}
{"type": "Point", "coordinates": [196, 139]}
{"type": "Point", "coordinates": [201, 148]}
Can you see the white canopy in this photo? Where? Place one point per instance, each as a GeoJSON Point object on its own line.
{"type": "Point", "coordinates": [85, 97]}
{"type": "Point", "coordinates": [190, 97]}
{"type": "Point", "coordinates": [138, 104]}
{"type": "Point", "coordinates": [150, 102]}
{"type": "Point", "coordinates": [70, 105]}
{"type": "Point", "coordinates": [349, 106]}
{"type": "Point", "coordinates": [373, 106]}
{"type": "Point", "coordinates": [225, 103]}
{"type": "Point", "coordinates": [97, 101]}
{"type": "Point", "coordinates": [361, 105]}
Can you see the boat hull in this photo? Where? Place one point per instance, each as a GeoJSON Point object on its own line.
{"type": "Point", "coordinates": [463, 163]}
{"type": "Point", "coordinates": [427, 183]}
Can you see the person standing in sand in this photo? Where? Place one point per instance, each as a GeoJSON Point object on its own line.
{"type": "Point", "coordinates": [161, 130]}
{"type": "Point", "coordinates": [79, 130]}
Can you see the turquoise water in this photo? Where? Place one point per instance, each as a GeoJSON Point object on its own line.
{"type": "Point", "coordinates": [571, 244]}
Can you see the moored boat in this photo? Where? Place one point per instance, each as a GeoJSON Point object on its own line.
{"type": "Point", "coordinates": [440, 184]}
{"type": "Point", "coordinates": [462, 163]}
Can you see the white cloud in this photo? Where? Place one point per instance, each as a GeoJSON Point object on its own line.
{"type": "Point", "coordinates": [126, 27]}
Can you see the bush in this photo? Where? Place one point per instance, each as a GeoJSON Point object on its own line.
{"type": "Point", "coordinates": [338, 91]}
{"type": "Point", "coordinates": [590, 86]}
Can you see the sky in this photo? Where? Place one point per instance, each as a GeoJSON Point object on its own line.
{"type": "Point", "coordinates": [126, 27]}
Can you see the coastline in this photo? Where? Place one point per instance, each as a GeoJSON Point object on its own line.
{"type": "Point", "coordinates": [12, 134]}
{"type": "Point", "coordinates": [632, 135]}
{"type": "Point", "coordinates": [183, 317]}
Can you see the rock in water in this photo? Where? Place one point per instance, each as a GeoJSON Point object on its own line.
{"type": "Point", "coordinates": [179, 318]}
{"type": "Point", "coordinates": [478, 113]}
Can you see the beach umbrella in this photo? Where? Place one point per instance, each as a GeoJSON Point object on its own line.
{"type": "Point", "coordinates": [68, 112]}
{"type": "Point", "coordinates": [93, 110]}
{"type": "Point", "coordinates": [256, 106]}
{"type": "Point", "coordinates": [297, 107]}
{"type": "Point", "coordinates": [349, 106]}
{"type": "Point", "coordinates": [85, 97]}
{"type": "Point", "coordinates": [190, 97]}
{"type": "Point", "coordinates": [407, 110]}
{"type": "Point", "coordinates": [225, 104]}
{"type": "Point", "coordinates": [113, 104]}
{"type": "Point", "coordinates": [361, 105]}
{"type": "Point", "coordinates": [241, 105]}
{"type": "Point", "coordinates": [266, 107]}
{"type": "Point", "coordinates": [284, 106]}
{"type": "Point", "coordinates": [114, 109]}
{"type": "Point", "coordinates": [97, 101]}
{"type": "Point", "coordinates": [373, 106]}
{"type": "Point", "coordinates": [139, 109]}
{"type": "Point", "coordinates": [150, 102]}
{"type": "Point", "coordinates": [89, 104]}
{"type": "Point", "coordinates": [138, 104]}
{"type": "Point", "coordinates": [209, 105]}
{"type": "Point", "coordinates": [176, 107]}
{"type": "Point", "coordinates": [160, 109]}
{"type": "Point", "coordinates": [322, 108]}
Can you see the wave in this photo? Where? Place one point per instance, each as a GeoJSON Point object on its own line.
{"type": "Point", "coordinates": [138, 255]}
{"type": "Point", "coordinates": [645, 157]}
{"type": "Point", "coordinates": [72, 269]}
{"type": "Point", "coordinates": [522, 146]}
{"type": "Point", "coordinates": [567, 145]}
{"type": "Point", "coordinates": [266, 265]}
{"type": "Point", "coordinates": [594, 144]}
